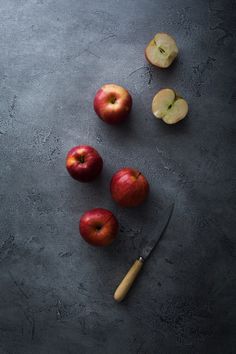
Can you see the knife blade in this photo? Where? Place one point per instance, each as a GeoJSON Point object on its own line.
{"type": "Point", "coordinates": [164, 218]}
{"type": "Point", "coordinates": [130, 277]}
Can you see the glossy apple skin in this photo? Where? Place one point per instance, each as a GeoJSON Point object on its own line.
{"type": "Point", "coordinates": [84, 163]}
{"type": "Point", "coordinates": [112, 103]}
{"type": "Point", "coordinates": [98, 227]}
{"type": "Point", "coordinates": [129, 188]}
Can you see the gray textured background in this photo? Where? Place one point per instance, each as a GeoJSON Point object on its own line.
{"type": "Point", "coordinates": [56, 291]}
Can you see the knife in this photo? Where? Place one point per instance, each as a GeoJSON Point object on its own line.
{"type": "Point", "coordinates": [130, 277]}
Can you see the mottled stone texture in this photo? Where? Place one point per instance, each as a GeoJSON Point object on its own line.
{"type": "Point", "coordinates": [55, 290]}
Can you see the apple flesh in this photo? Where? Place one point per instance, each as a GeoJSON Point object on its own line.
{"type": "Point", "coordinates": [169, 107]}
{"type": "Point", "coordinates": [112, 103]}
{"type": "Point", "coordinates": [161, 50]}
{"type": "Point", "coordinates": [98, 226]}
{"type": "Point", "coordinates": [129, 188]}
{"type": "Point", "coordinates": [84, 163]}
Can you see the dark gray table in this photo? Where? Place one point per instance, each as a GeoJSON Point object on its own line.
{"type": "Point", "coordinates": [55, 290]}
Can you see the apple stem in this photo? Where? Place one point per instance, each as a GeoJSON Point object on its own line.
{"type": "Point", "coordinates": [113, 100]}
{"type": "Point", "coordinates": [138, 175]}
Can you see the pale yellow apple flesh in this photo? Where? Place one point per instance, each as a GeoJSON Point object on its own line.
{"type": "Point", "coordinates": [162, 50]}
{"type": "Point", "coordinates": [169, 107]}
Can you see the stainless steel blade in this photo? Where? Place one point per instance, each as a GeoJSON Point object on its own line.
{"type": "Point", "coordinates": [164, 218]}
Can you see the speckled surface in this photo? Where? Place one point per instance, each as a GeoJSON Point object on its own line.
{"type": "Point", "coordinates": [55, 290]}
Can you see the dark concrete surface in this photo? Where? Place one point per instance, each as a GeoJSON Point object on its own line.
{"type": "Point", "coordinates": [56, 290]}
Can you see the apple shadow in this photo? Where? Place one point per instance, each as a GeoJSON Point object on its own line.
{"type": "Point", "coordinates": [165, 73]}
{"type": "Point", "coordinates": [126, 127]}
{"type": "Point", "coordinates": [117, 133]}
{"type": "Point", "coordinates": [182, 127]}
{"type": "Point", "coordinates": [173, 66]}
{"type": "Point", "coordinates": [96, 193]}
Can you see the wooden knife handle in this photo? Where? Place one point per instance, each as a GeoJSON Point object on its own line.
{"type": "Point", "coordinates": [128, 280]}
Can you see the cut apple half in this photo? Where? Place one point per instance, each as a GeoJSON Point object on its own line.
{"type": "Point", "coordinates": [161, 50]}
{"type": "Point", "coordinates": [169, 107]}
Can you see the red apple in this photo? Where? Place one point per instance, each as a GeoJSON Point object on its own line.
{"type": "Point", "coordinates": [83, 163]}
{"type": "Point", "coordinates": [129, 187]}
{"type": "Point", "coordinates": [99, 227]}
{"type": "Point", "coordinates": [112, 103]}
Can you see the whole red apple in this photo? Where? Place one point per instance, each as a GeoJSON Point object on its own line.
{"type": "Point", "coordinates": [129, 188]}
{"type": "Point", "coordinates": [112, 103]}
{"type": "Point", "coordinates": [83, 163]}
{"type": "Point", "coordinates": [98, 226]}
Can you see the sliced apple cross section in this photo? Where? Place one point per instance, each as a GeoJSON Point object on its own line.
{"type": "Point", "coordinates": [162, 50]}
{"type": "Point", "coordinates": [169, 107]}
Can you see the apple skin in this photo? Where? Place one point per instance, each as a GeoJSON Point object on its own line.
{"type": "Point", "coordinates": [98, 227]}
{"type": "Point", "coordinates": [129, 188]}
{"type": "Point", "coordinates": [84, 163]}
{"type": "Point", "coordinates": [112, 103]}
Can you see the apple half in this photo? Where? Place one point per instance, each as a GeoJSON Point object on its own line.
{"type": "Point", "coordinates": [169, 107]}
{"type": "Point", "coordinates": [161, 50]}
